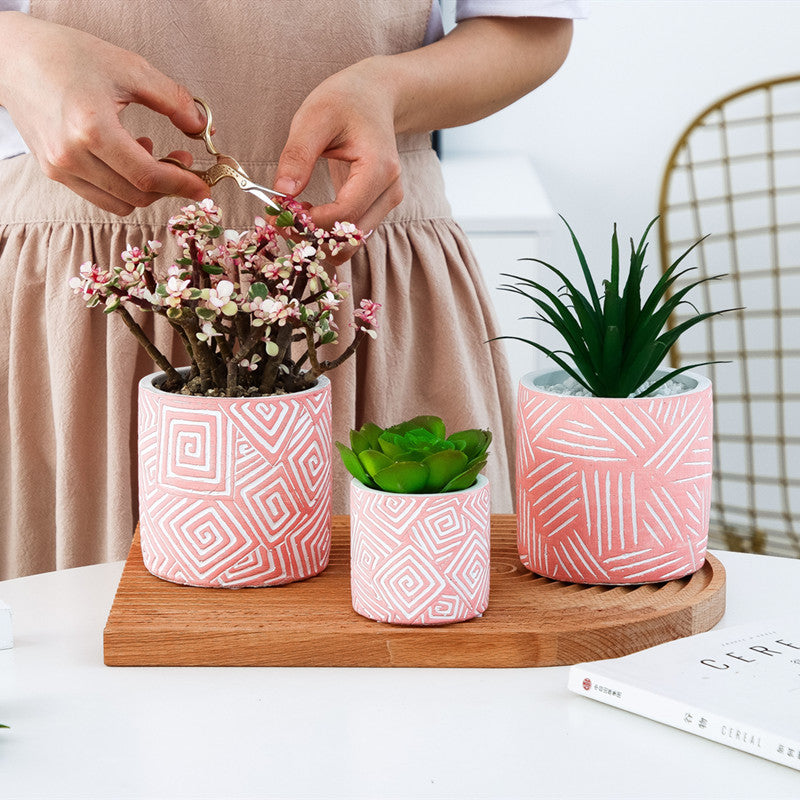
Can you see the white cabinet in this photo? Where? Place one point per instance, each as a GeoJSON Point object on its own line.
{"type": "Point", "coordinates": [502, 206]}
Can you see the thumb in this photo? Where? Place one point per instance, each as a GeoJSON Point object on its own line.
{"type": "Point", "coordinates": [160, 93]}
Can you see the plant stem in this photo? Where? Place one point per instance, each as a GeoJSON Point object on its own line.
{"type": "Point", "coordinates": [328, 365]}
{"type": "Point", "coordinates": [174, 379]}
{"type": "Point", "coordinates": [269, 378]}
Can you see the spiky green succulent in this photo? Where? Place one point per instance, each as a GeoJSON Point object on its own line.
{"type": "Point", "coordinates": [416, 456]}
{"type": "Point", "coordinates": [616, 340]}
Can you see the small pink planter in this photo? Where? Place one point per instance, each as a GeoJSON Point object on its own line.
{"type": "Point", "coordinates": [419, 559]}
{"type": "Point", "coordinates": [613, 490]}
{"type": "Point", "coordinates": [234, 492]}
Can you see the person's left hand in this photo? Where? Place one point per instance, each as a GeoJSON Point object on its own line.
{"type": "Point", "coordinates": [348, 119]}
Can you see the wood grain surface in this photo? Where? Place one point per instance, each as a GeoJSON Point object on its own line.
{"type": "Point", "coordinates": [531, 621]}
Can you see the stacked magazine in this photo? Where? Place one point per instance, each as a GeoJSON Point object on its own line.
{"type": "Point", "coordinates": [738, 686]}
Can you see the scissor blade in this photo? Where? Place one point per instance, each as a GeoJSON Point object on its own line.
{"type": "Point", "coordinates": [262, 195]}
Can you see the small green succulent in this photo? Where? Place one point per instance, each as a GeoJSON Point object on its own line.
{"type": "Point", "coordinates": [615, 341]}
{"type": "Point", "coordinates": [416, 456]}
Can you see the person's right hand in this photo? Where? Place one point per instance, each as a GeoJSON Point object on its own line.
{"type": "Point", "coordinates": [64, 90]}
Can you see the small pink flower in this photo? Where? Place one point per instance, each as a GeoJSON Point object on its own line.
{"type": "Point", "coordinates": [303, 252]}
{"type": "Point", "coordinates": [177, 290]}
{"type": "Point", "coordinates": [368, 312]}
{"type": "Point", "coordinates": [251, 363]}
{"type": "Point", "coordinates": [221, 294]}
{"type": "Point", "coordinates": [91, 281]}
{"type": "Point", "coordinates": [329, 302]}
{"type": "Point", "coordinates": [207, 331]}
{"type": "Point", "coordinates": [132, 254]}
{"type": "Point", "coordinates": [177, 271]}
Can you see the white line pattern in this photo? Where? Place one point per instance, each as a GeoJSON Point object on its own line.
{"type": "Point", "coordinates": [615, 491]}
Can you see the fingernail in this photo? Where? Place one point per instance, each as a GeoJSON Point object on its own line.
{"type": "Point", "coordinates": [286, 185]}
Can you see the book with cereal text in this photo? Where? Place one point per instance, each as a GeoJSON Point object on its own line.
{"type": "Point", "coordinates": [737, 686]}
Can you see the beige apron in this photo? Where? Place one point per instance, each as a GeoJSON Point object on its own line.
{"type": "Point", "coordinates": [67, 401]}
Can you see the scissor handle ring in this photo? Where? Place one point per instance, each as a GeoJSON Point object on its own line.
{"type": "Point", "coordinates": [205, 134]}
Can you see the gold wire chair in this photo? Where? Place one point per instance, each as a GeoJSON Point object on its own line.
{"type": "Point", "coordinates": [735, 175]}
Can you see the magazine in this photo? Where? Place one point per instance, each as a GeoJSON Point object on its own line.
{"type": "Point", "coordinates": [737, 686]}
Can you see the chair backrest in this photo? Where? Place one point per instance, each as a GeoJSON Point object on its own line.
{"type": "Point", "coordinates": [735, 176]}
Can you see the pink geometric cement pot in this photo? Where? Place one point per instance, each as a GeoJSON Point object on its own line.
{"type": "Point", "coordinates": [234, 491]}
{"type": "Point", "coordinates": [613, 490]}
{"type": "Point", "coordinates": [419, 559]}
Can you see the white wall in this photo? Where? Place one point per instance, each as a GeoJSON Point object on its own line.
{"type": "Point", "coordinates": [600, 131]}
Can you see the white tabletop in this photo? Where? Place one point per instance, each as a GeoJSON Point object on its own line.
{"type": "Point", "coordinates": [84, 730]}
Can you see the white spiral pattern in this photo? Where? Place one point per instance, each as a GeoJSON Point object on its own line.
{"type": "Point", "coordinates": [235, 492]}
{"type": "Point", "coordinates": [420, 559]}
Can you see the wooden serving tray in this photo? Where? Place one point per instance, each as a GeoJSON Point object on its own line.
{"type": "Point", "coordinates": [531, 621]}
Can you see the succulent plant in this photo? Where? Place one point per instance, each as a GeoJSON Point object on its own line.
{"type": "Point", "coordinates": [616, 341]}
{"type": "Point", "coordinates": [416, 456]}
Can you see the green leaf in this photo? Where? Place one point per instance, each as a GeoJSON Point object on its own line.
{"type": "Point", "coordinates": [358, 442]}
{"type": "Point", "coordinates": [285, 219]}
{"type": "Point", "coordinates": [589, 332]}
{"type": "Point", "coordinates": [372, 432]}
{"type": "Point", "coordinates": [353, 465]}
{"type": "Point", "coordinates": [465, 479]}
{"type": "Point", "coordinates": [670, 375]}
{"type": "Point", "coordinates": [412, 455]}
{"type": "Point", "coordinates": [612, 358]}
{"type": "Point", "coordinates": [443, 467]}
{"type": "Point", "coordinates": [475, 442]}
{"type": "Point", "coordinates": [560, 318]}
{"type": "Point", "coordinates": [640, 250]}
{"type": "Point", "coordinates": [258, 289]}
{"type": "Point", "coordinates": [213, 269]}
{"type": "Point", "coordinates": [615, 261]}
{"type": "Point", "coordinates": [387, 443]}
{"type": "Point", "coordinates": [373, 460]}
{"type": "Point", "coordinates": [207, 314]}
{"type": "Point", "coordinates": [643, 365]}
{"type": "Point", "coordinates": [585, 268]}
{"type": "Point", "coordinates": [659, 290]}
{"type": "Point", "coordinates": [407, 477]}
{"type": "Point", "coordinates": [428, 423]}
{"type": "Point", "coordinates": [552, 354]}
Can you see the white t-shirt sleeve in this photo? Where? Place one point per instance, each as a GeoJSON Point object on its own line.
{"type": "Point", "coordinates": [11, 143]}
{"type": "Point", "coordinates": [569, 9]}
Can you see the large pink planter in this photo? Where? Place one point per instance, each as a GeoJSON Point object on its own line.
{"type": "Point", "coordinates": [613, 490]}
{"type": "Point", "coordinates": [419, 559]}
{"type": "Point", "coordinates": [234, 492]}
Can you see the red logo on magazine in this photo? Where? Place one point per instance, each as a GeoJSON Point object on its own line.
{"type": "Point", "coordinates": [587, 684]}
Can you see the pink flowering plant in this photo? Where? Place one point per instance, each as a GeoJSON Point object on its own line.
{"type": "Point", "coordinates": [252, 308]}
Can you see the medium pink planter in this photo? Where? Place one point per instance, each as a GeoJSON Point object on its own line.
{"type": "Point", "coordinates": [236, 491]}
{"type": "Point", "coordinates": [419, 559]}
{"type": "Point", "coordinates": [613, 490]}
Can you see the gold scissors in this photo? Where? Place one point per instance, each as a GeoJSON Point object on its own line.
{"type": "Point", "coordinates": [226, 166]}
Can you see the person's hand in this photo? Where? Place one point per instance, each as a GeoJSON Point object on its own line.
{"type": "Point", "coordinates": [348, 119]}
{"type": "Point", "coordinates": [64, 90]}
